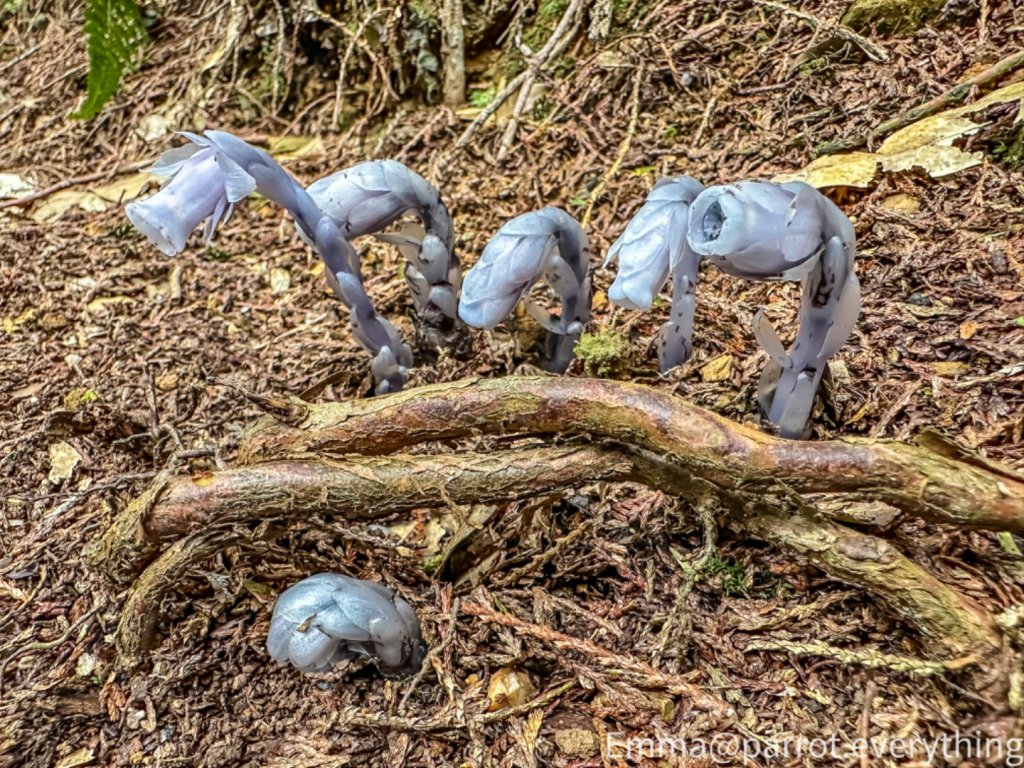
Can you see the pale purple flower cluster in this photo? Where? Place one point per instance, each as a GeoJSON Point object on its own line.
{"type": "Point", "coordinates": [329, 617]}
{"type": "Point", "coordinates": [755, 230]}
{"type": "Point", "coordinates": [548, 244]}
{"type": "Point", "coordinates": [218, 169]}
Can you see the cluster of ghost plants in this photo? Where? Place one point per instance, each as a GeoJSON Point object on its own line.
{"type": "Point", "coordinates": [753, 230]}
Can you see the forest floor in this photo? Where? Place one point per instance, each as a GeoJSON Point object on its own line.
{"type": "Point", "coordinates": [117, 362]}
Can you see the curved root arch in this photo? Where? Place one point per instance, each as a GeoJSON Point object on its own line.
{"type": "Point", "coordinates": [651, 438]}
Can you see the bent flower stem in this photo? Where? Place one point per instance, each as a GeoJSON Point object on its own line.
{"type": "Point", "coordinates": [765, 231]}
{"type": "Point", "coordinates": [216, 170]}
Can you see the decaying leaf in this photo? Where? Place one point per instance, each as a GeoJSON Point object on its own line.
{"type": "Point", "coordinates": [927, 144]}
{"type": "Point", "coordinates": [719, 369]}
{"type": "Point", "coordinates": [63, 460]}
{"type": "Point", "coordinates": [280, 280]}
{"type": "Point", "coordinates": [121, 189]}
{"type": "Point", "coordinates": [950, 369]}
{"type": "Point", "coordinates": [83, 756]}
{"type": "Point", "coordinates": [12, 185]}
{"type": "Point", "coordinates": [509, 687]}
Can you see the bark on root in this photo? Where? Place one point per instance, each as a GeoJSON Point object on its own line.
{"type": "Point", "coordinates": [947, 486]}
{"type": "Point", "coordinates": [659, 440]}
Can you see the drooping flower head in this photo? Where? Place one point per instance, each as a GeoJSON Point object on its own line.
{"type": "Point", "coordinates": [369, 197]}
{"type": "Point", "coordinates": [217, 169]}
{"type": "Point", "coordinates": [205, 185]}
{"type": "Point", "coordinates": [759, 230]}
{"type": "Point", "coordinates": [788, 231]}
{"type": "Point", "coordinates": [654, 244]}
{"type": "Point", "coordinates": [330, 617]}
{"type": "Point", "coordinates": [548, 244]}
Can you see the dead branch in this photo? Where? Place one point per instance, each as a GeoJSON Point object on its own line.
{"type": "Point", "coordinates": [954, 95]}
{"type": "Point", "coordinates": [560, 38]}
{"type": "Point", "coordinates": [941, 486]}
{"type": "Point", "coordinates": [454, 53]}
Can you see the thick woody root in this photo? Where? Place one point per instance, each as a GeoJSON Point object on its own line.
{"type": "Point", "coordinates": [944, 485]}
{"type": "Point", "coordinates": [954, 625]}
{"type": "Point", "coordinates": [664, 443]}
{"type": "Point", "coordinates": [360, 488]}
{"type": "Point", "coordinates": [217, 509]}
{"type": "Point", "coordinates": [140, 616]}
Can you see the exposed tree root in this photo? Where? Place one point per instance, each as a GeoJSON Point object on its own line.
{"type": "Point", "coordinates": [955, 625]}
{"type": "Point", "coordinates": [664, 442]}
{"type": "Point", "coordinates": [937, 486]}
{"type": "Point", "coordinates": [359, 488]}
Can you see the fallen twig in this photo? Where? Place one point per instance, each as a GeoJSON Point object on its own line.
{"type": "Point", "coordinates": [868, 658]}
{"type": "Point", "coordinates": [73, 182]}
{"type": "Point", "coordinates": [954, 95]}
{"type": "Point", "coordinates": [641, 673]}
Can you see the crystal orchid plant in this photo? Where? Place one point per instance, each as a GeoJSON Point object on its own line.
{"type": "Point", "coordinates": [758, 231]}
{"type": "Point", "coordinates": [216, 170]}
{"type": "Point", "coordinates": [371, 196]}
{"type": "Point", "coordinates": [329, 617]}
{"type": "Point", "coordinates": [653, 245]}
{"type": "Point", "coordinates": [547, 244]}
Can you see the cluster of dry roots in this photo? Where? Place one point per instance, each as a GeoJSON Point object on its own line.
{"type": "Point", "coordinates": [343, 460]}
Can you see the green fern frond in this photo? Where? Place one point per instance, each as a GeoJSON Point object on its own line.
{"type": "Point", "coordinates": [115, 33]}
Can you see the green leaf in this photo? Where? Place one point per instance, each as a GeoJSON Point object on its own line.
{"type": "Point", "coordinates": [115, 33]}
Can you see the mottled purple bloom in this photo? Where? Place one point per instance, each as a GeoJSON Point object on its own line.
{"type": "Point", "coordinates": [205, 185]}
{"type": "Point", "coordinates": [785, 232]}
{"type": "Point", "coordinates": [653, 245]}
{"type": "Point", "coordinates": [369, 197]}
{"type": "Point", "coordinates": [218, 169]}
{"type": "Point", "coordinates": [548, 244]}
{"type": "Point", "coordinates": [329, 617]}
{"type": "Point", "coordinates": [759, 231]}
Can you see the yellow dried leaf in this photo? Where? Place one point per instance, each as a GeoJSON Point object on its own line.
{"type": "Point", "coordinates": [936, 161]}
{"type": "Point", "coordinates": [927, 144]}
{"type": "Point", "coordinates": [126, 188]}
{"type": "Point", "coordinates": [291, 147]}
{"type": "Point", "coordinates": [855, 170]}
{"type": "Point", "coordinates": [57, 204]}
{"type": "Point", "coordinates": [509, 687]}
{"type": "Point", "coordinates": [101, 303]}
{"type": "Point", "coordinates": [950, 369]}
{"type": "Point", "coordinates": [63, 460]}
{"type": "Point", "coordinates": [902, 203]}
{"type": "Point", "coordinates": [719, 369]}
{"type": "Point", "coordinates": [280, 280]}
{"type": "Point", "coordinates": [82, 756]}
{"type": "Point", "coordinates": [941, 129]}
{"type": "Point", "coordinates": [167, 382]}
{"type": "Point", "coordinates": [11, 323]}
{"type": "Point", "coordinates": [968, 329]}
